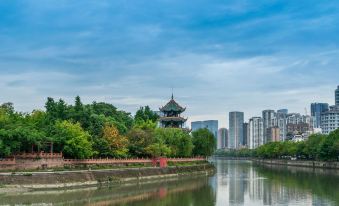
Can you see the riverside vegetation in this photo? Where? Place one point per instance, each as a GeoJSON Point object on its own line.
{"type": "Point", "coordinates": [316, 147]}
{"type": "Point", "coordinates": [96, 130]}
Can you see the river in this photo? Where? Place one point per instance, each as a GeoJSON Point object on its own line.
{"type": "Point", "coordinates": [235, 183]}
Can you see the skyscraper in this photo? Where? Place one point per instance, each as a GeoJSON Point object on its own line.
{"type": "Point", "coordinates": [282, 111]}
{"type": "Point", "coordinates": [281, 122]}
{"type": "Point", "coordinates": [337, 96]}
{"type": "Point", "coordinates": [236, 130]}
{"type": "Point", "coordinates": [256, 132]}
{"type": "Point", "coordinates": [316, 110]}
{"type": "Point", "coordinates": [268, 120]}
{"type": "Point", "coordinates": [211, 125]}
{"type": "Point", "coordinates": [222, 138]}
{"type": "Point", "coordinates": [246, 136]}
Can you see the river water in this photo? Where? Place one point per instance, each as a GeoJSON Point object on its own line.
{"type": "Point", "coordinates": [235, 183]}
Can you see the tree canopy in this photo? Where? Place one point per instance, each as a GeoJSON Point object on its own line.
{"type": "Point", "coordinates": [92, 130]}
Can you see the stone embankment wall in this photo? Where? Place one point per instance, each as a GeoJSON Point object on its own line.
{"type": "Point", "coordinates": [58, 162]}
{"type": "Point", "coordinates": [299, 163]}
{"type": "Point", "coordinates": [82, 178]}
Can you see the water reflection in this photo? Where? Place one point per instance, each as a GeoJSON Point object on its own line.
{"type": "Point", "coordinates": [244, 183]}
{"type": "Point", "coordinates": [236, 183]}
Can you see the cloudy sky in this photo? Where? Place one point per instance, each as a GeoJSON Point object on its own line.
{"type": "Point", "coordinates": [219, 56]}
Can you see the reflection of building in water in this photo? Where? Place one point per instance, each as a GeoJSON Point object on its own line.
{"type": "Point", "coordinates": [237, 183]}
{"type": "Point", "coordinates": [272, 192]}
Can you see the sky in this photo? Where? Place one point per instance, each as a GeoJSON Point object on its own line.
{"type": "Point", "coordinates": [218, 56]}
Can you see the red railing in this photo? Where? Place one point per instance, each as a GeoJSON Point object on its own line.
{"type": "Point", "coordinates": [7, 161]}
{"type": "Point", "coordinates": [128, 160]}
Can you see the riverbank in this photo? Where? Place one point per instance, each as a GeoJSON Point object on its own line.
{"type": "Point", "coordinates": [299, 163]}
{"type": "Point", "coordinates": [24, 181]}
{"type": "Point", "coordinates": [294, 163]}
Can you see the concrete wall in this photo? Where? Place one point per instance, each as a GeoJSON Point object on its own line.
{"type": "Point", "coordinates": [78, 178]}
{"type": "Point", "coordinates": [299, 163]}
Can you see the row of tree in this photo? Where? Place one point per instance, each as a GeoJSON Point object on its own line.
{"type": "Point", "coordinates": [316, 147]}
{"type": "Point", "coordinates": [96, 130]}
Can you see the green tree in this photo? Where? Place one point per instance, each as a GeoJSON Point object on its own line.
{"type": "Point", "coordinates": [204, 142]}
{"type": "Point", "coordinates": [145, 114]}
{"type": "Point", "coordinates": [139, 140]}
{"type": "Point", "coordinates": [179, 141]}
{"type": "Point", "coordinates": [158, 149]}
{"type": "Point", "coordinates": [76, 142]}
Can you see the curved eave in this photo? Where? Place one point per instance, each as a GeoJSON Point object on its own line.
{"type": "Point", "coordinates": [172, 110]}
{"type": "Point", "coordinates": [169, 119]}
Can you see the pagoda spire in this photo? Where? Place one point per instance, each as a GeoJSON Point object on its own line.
{"type": "Point", "coordinates": [172, 94]}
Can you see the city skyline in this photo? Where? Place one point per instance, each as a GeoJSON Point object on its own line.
{"type": "Point", "coordinates": [131, 54]}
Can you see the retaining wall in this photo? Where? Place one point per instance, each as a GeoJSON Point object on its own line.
{"type": "Point", "coordinates": [81, 178]}
{"type": "Point", "coordinates": [300, 163]}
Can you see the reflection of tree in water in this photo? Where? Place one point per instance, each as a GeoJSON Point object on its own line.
{"type": "Point", "coordinates": [297, 182]}
{"type": "Point", "coordinates": [195, 191]}
{"type": "Point", "coordinates": [202, 195]}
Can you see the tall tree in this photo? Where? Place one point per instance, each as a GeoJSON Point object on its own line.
{"type": "Point", "coordinates": [204, 142]}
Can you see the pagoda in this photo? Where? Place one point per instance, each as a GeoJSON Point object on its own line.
{"type": "Point", "coordinates": [170, 115]}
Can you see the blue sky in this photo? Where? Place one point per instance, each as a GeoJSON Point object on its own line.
{"type": "Point", "coordinates": [218, 56]}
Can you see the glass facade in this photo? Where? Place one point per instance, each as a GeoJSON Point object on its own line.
{"type": "Point", "coordinates": [316, 110]}
{"type": "Point", "coordinates": [236, 130]}
{"type": "Point", "coordinates": [211, 125]}
{"type": "Point", "coordinates": [337, 96]}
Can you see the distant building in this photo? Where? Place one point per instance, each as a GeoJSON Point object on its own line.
{"type": "Point", "coordinates": [296, 129]}
{"type": "Point", "coordinates": [274, 134]}
{"type": "Point", "coordinates": [256, 132]}
{"type": "Point", "coordinates": [223, 138]}
{"type": "Point", "coordinates": [337, 96]}
{"type": "Point", "coordinates": [316, 110]}
{"type": "Point", "coordinates": [211, 125]}
{"type": "Point", "coordinates": [281, 122]}
{"type": "Point", "coordinates": [246, 134]}
{"type": "Point", "coordinates": [330, 120]}
{"type": "Point", "coordinates": [171, 115]}
{"type": "Point", "coordinates": [236, 130]}
{"type": "Point", "coordinates": [268, 121]}
{"type": "Point", "coordinates": [282, 111]}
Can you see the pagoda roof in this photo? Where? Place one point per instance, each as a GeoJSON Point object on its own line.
{"type": "Point", "coordinates": [172, 105]}
{"type": "Point", "coordinates": [174, 119]}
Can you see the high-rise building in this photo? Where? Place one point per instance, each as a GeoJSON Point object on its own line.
{"type": "Point", "coordinates": [236, 130]}
{"type": "Point", "coordinates": [211, 125]}
{"type": "Point", "coordinates": [337, 96]}
{"type": "Point", "coordinates": [330, 120]}
{"type": "Point", "coordinates": [222, 138]}
{"type": "Point", "coordinates": [281, 122]}
{"type": "Point", "coordinates": [274, 134]}
{"type": "Point", "coordinates": [316, 110]}
{"type": "Point", "coordinates": [268, 121]}
{"type": "Point", "coordinates": [245, 136]}
{"type": "Point", "coordinates": [282, 111]}
{"type": "Point", "coordinates": [256, 132]}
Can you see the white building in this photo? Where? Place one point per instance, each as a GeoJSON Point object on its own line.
{"type": "Point", "coordinates": [330, 120]}
{"type": "Point", "coordinates": [256, 132]}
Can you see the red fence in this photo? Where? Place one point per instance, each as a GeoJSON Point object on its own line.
{"type": "Point", "coordinates": [51, 160]}
{"type": "Point", "coordinates": [7, 161]}
{"type": "Point", "coordinates": [127, 161]}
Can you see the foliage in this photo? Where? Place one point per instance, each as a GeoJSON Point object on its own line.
{"type": "Point", "coordinates": [158, 149]}
{"type": "Point", "coordinates": [75, 140]}
{"type": "Point", "coordinates": [145, 114]}
{"type": "Point", "coordinates": [94, 130]}
{"type": "Point", "coordinates": [317, 147]}
{"type": "Point", "coordinates": [204, 142]}
{"type": "Point", "coordinates": [117, 143]}
{"type": "Point", "coordinates": [179, 141]}
{"type": "Point", "coordinates": [139, 140]}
